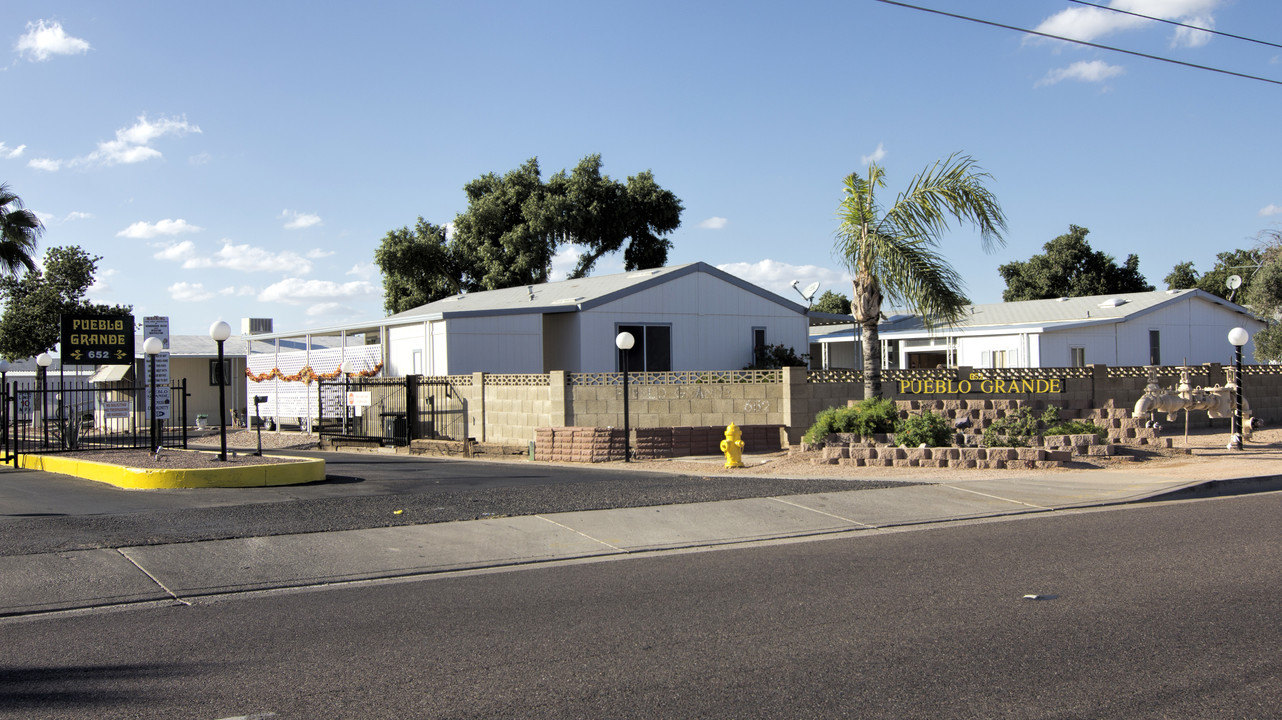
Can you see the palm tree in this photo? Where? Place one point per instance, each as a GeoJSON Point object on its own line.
{"type": "Point", "coordinates": [19, 231]}
{"type": "Point", "coordinates": [892, 252]}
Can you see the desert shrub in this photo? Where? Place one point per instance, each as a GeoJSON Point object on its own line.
{"type": "Point", "coordinates": [927, 428]}
{"type": "Point", "coordinates": [870, 416]}
{"type": "Point", "coordinates": [1077, 427]}
{"type": "Point", "coordinates": [773, 357]}
{"type": "Point", "coordinates": [1018, 427]}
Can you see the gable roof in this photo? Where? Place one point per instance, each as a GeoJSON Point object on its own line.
{"type": "Point", "coordinates": [574, 295]}
{"type": "Point", "coordinates": [1059, 313]}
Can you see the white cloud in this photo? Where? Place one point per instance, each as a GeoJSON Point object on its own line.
{"type": "Point", "coordinates": [364, 272]}
{"type": "Point", "coordinates": [876, 155]}
{"type": "Point", "coordinates": [46, 164]}
{"type": "Point", "coordinates": [329, 310]}
{"type": "Point", "coordinates": [189, 292]}
{"type": "Point", "coordinates": [296, 291]}
{"type": "Point", "coordinates": [146, 230]}
{"type": "Point", "coordinates": [1090, 23]}
{"type": "Point", "coordinates": [77, 215]}
{"type": "Point", "coordinates": [298, 221]}
{"type": "Point", "coordinates": [777, 277]}
{"type": "Point", "coordinates": [177, 252]}
{"type": "Point", "coordinates": [317, 253]}
{"type": "Point", "coordinates": [564, 262]}
{"type": "Point", "coordinates": [1270, 209]}
{"type": "Point", "coordinates": [714, 223]}
{"type": "Point", "coordinates": [1084, 71]}
{"type": "Point", "coordinates": [133, 144]}
{"type": "Point", "coordinates": [101, 280]}
{"type": "Point", "coordinates": [45, 39]}
{"type": "Point", "coordinates": [251, 259]}
{"type": "Point", "coordinates": [9, 153]}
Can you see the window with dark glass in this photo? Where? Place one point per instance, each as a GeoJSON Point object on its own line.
{"type": "Point", "coordinates": [1154, 347]}
{"type": "Point", "coordinates": [652, 351]}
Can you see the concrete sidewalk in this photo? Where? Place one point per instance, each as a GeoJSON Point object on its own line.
{"type": "Point", "coordinates": [94, 578]}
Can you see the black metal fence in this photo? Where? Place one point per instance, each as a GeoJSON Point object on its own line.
{"type": "Point", "coordinates": [393, 411]}
{"type": "Point", "coordinates": [62, 416]}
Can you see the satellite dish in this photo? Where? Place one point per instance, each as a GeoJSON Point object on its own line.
{"type": "Point", "coordinates": [1234, 282]}
{"type": "Point", "coordinates": [810, 290]}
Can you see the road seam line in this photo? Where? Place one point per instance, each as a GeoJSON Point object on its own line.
{"type": "Point", "coordinates": [821, 512]}
{"type": "Point", "coordinates": [154, 579]}
{"type": "Point", "coordinates": [998, 497]}
{"type": "Point", "coordinates": [580, 532]}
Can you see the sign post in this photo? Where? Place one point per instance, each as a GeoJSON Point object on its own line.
{"type": "Point", "coordinates": [158, 327]}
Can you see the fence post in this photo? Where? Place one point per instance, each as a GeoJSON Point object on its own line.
{"type": "Point", "coordinates": [184, 417]}
{"type": "Point", "coordinates": [411, 406]}
{"type": "Point", "coordinates": [478, 397]}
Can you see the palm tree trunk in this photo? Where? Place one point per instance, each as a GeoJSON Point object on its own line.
{"type": "Point", "coordinates": [866, 307]}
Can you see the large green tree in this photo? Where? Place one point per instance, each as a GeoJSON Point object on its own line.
{"type": "Point", "coordinates": [1070, 268]}
{"type": "Point", "coordinates": [1262, 292]}
{"type": "Point", "coordinates": [35, 301]}
{"type": "Point", "coordinates": [514, 225]}
{"type": "Point", "coordinates": [20, 230]}
{"type": "Point", "coordinates": [892, 252]}
{"type": "Point", "coordinates": [418, 267]}
{"type": "Point", "coordinates": [832, 302]}
{"type": "Point", "coordinates": [1240, 262]}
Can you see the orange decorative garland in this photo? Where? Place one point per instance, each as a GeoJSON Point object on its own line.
{"type": "Point", "coordinates": [307, 375]}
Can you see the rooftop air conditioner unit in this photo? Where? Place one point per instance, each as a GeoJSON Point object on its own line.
{"type": "Point", "coordinates": [255, 326]}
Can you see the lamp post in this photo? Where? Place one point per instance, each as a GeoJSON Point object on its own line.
{"type": "Point", "coordinates": [1238, 338]}
{"type": "Point", "coordinates": [152, 348]}
{"type": "Point", "coordinates": [44, 360]}
{"type": "Point", "coordinates": [624, 341]}
{"type": "Point", "coordinates": [346, 368]}
{"type": "Point", "coordinates": [220, 331]}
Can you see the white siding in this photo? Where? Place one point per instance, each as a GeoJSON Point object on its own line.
{"type": "Point", "coordinates": [495, 344]}
{"type": "Point", "coordinates": [711, 323]}
{"type": "Point", "coordinates": [403, 340]}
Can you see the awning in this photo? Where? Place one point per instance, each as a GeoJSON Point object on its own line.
{"type": "Point", "coordinates": [110, 373]}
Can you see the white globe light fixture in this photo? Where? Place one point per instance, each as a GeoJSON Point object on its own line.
{"type": "Point", "coordinates": [44, 360]}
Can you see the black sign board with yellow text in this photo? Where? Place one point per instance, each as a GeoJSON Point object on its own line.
{"type": "Point", "coordinates": [98, 339]}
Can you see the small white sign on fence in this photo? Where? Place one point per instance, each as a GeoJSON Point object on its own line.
{"type": "Point", "coordinates": [359, 399]}
{"type": "Point", "coordinates": [115, 409]}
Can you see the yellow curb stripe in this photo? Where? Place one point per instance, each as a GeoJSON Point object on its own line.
{"type": "Point", "coordinates": [303, 470]}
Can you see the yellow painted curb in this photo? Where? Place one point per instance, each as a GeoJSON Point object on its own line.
{"type": "Point", "coordinates": [303, 470]}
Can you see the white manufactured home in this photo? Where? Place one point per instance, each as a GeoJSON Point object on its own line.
{"type": "Point", "coordinates": [1170, 327]}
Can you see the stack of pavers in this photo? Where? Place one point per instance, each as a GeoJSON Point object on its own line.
{"type": "Point", "coordinates": [578, 444]}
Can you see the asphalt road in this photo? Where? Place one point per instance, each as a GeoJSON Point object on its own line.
{"type": "Point", "coordinates": [1161, 610]}
{"type": "Point", "coordinates": [42, 512]}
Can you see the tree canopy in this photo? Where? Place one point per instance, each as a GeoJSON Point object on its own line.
{"type": "Point", "coordinates": [1261, 290]}
{"type": "Point", "coordinates": [832, 302]}
{"type": "Point", "coordinates": [35, 301]}
{"type": "Point", "coordinates": [20, 230]}
{"type": "Point", "coordinates": [891, 251]}
{"type": "Point", "coordinates": [1070, 268]}
{"type": "Point", "coordinates": [1240, 262]}
{"type": "Point", "coordinates": [515, 224]}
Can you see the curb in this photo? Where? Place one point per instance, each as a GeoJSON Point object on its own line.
{"type": "Point", "coordinates": [303, 470]}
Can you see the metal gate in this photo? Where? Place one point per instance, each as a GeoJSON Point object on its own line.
{"type": "Point", "coordinates": [392, 411]}
{"type": "Point", "coordinates": [46, 418]}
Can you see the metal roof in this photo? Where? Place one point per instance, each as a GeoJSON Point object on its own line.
{"type": "Point", "coordinates": [1040, 315]}
{"type": "Point", "coordinates": [573, 295]}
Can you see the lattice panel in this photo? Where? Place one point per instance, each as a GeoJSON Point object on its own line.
{"type": "Point", "coordinates": [517, 380]}
{"type": "Point", "coordinates": [685, 377]}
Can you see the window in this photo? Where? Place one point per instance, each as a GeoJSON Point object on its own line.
{"type": "Point", "coordinates": [1154, 347]}
{"type": "Point", "coordinates": [213, 372]}
{"type": "Point", "coordinates": [652, 351]}
{"type": "Point", "coordinates": [1077, 357]}
{"type": "Point", "coordinates": [994, 359]}
{"type": "Point", "coordinates": [758, 343]}
{"type": "Point", "coordinates": [416, 362]}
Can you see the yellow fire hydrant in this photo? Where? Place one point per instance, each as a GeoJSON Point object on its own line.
{"type": "Point", "coordinates": [732, 446]}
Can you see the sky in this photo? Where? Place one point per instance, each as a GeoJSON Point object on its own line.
{"type": "Point", "coordinates": [245, 159]}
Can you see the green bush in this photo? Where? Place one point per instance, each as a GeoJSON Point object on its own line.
{"type": "Point", "coordinates": [927, 428]}
{"type": "Point", "coordinates": [868, 417]}
{"type": "Point", "coordinates": [773, 357]}
{"type": "Point", "coordinates": [1021, 424]}
{"type": "Point", "coordinates": [1077, 427]}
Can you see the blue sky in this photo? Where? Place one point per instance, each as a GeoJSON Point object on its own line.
{"type": "Point", "coordinates": [244, 159]}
